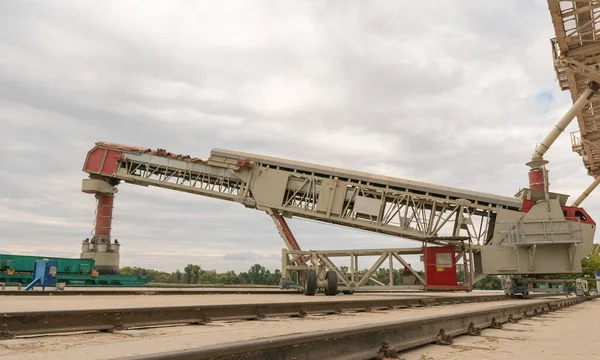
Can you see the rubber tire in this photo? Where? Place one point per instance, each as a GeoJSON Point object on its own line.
{"type": "Point", "coordinates": [310, 283]}
{"type": "Point", "coordinates": [332, 283]}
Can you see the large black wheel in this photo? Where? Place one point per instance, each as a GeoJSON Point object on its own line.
{"type": "Point", "coordinates": [332, 283]}
{"type": "Point", "coordinates": [310, 283]}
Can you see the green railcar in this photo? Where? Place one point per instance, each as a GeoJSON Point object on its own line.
{"type": "Point", "coordinates": [18, 269]}
{"type": "Point", "coordinates": [24, 263]}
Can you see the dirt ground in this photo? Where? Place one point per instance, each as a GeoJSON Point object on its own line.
{"type": "Point", "coordinates": [567, 334]}
{"type": "Point", "coordinates": [564, 334]}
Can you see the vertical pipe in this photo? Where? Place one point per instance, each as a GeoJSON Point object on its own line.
{"type": "Point", "coordinates": [286, 275]}
{"type": "Point", "coordinates": [352, 267]}
{"type": "Point", "coordinates": [356, 263]}
{"type": "Point", "coordinates": [586, 192]}
{"type": "Point", "coordinates": [560, 126]}
{"type": "Point", "coordinates": [471, 265]}
{"type": "Point", "coordinates": [546, 183]}
{"type": "Point", "coordinates": [391, 270]}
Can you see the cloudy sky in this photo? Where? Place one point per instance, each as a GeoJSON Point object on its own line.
{"type": "Point", "coordinates": [454, 93]}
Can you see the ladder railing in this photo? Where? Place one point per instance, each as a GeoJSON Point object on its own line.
{"type": "Point", "coordinates": [541, 232]}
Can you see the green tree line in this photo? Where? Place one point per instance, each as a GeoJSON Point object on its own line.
{"type": "Point", "coordinates": [259, 275]}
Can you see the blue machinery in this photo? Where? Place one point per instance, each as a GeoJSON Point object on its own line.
{"type": "Point", "coordinates": [44, 274]}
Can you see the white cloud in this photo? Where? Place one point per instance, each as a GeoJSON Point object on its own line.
{"type": "Point", "coordinates": [440, 92]}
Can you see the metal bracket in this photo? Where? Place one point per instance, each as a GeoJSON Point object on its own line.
{"type": "Point", "coordinates": [443, 339]}
{"type": "Point", "coordinates": [5, 334]}
{"type": "Point", "coordinates": [473, 331]}
{"type": "Point", "coordinates": [577, 66]}
{"type": "Point", "coordinates": [385, 352]}
{"type": "Point", "coordinates": [495, 324]}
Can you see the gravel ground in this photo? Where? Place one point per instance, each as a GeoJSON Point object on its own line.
{"type": "Point", "coordinates": [566, 334]}
{"type": "Point", "coordinates": [571, 329]}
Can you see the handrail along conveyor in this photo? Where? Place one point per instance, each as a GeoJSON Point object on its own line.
{"type": "Point", "coordinates": [411, 209]}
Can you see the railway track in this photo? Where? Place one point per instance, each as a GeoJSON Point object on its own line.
{"type": "Point", "coordinates": [15, 324]}
{"type": "Point", "coordinates": [377, 341]}
{"type": "Point", "coordinates": [72, 292]}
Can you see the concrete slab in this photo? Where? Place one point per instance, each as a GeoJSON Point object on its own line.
{"type": "Point", "coordinates": [20, 344]}
{"type": "Point", "coordinates": [111, 346]}
{"type": "Point", "coordinates": [570, 333]}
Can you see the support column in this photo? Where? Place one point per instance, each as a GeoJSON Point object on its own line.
{"type": "Point", "coordinates": [101, 248]}
{"type": "Point", "coordinates": [284, 230]}
{"type": "Point", "coordinates": [536, 179]}
{"type": "Point", "coordinates": [103, 216]}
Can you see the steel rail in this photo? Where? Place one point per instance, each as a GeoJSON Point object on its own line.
{"type": "Point", "coordinates": [376, 341]}
{"type": "Point", "coordinates": [71, 292]}
{"type": "Point", "coordinates": [14, 324]}
{"type": "Point", "coordinates": [225, 291]}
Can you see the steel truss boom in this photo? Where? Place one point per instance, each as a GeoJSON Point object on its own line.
{"type": "Point", "coordinates": [392, 206]}
{"type": "Point", "coordinates": [576, 51]}
{"type": "Point", "coordinates": [521, 235]}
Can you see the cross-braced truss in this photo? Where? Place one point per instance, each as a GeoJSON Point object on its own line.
{"type": "Point", "coordinates": [354, 275]}
{"type": "Point", "coordinates": [201, 179]}
{"type": "Point", "coordinates": [408, 212]}
{"type": "Point", "coordinates": [576, 51]}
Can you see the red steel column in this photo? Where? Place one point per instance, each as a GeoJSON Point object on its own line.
{"type": "Point", "coordinates": [104, 216]}
{"type": "Point", "coordinates": [536, 179]}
